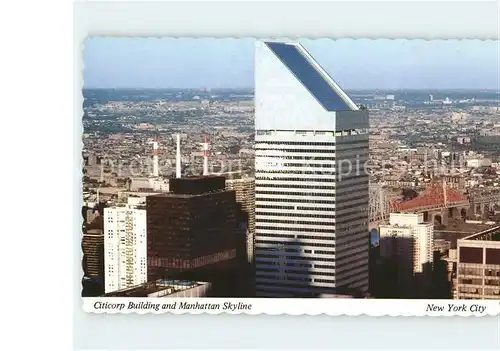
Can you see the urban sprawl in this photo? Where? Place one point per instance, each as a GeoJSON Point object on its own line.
{"type": "Point", "coordinates": [236, 193]}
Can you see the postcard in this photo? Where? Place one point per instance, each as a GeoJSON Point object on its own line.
{"type": "Point", "coordinates": [302, 176]}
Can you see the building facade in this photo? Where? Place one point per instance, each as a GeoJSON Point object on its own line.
{"type": "Point", "coordinates": [194, 233]}
{"type": "Point", "coordinates": [125, 245]}
{"type": "Point", "coordinates": [165, 288]}
{"type": "Point", "coordinates": [478, 266]}
{"type": "Point", "coordinates": [245, 196]}
{"type": "Point", "coordinates": [93, 253]}
{"type": "Point", "coordinates": [93, 262]}
{"type": "Point", "coordinates": [408, 242]}
{"type": "Point", "coordinates": [311, 190]}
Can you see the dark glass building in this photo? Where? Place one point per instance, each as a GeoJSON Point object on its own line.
{"type": "Point", "coordinates": [194, 233]}
{"type": "Point", "coordinates": [93, 262]}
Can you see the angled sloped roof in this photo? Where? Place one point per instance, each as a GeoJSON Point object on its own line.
{"type": "Point", "coordinates": [312, 76]}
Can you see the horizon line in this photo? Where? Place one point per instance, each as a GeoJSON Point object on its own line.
{"type": "Point", "coordinates": [252, 88]}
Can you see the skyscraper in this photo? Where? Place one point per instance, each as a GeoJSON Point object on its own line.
{"type": "Point", "coordinates": [194, 233]}
{"type": "Point", "coordinates": [125, 247]}
{"type": "Point", "coordinates": [311, 197]}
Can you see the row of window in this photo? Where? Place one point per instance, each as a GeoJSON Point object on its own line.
{"type": "Point", "coordinates": [293, 193]}
{"type": "Point", "coordinates": [292, 243]}
{"type": "Point", "coordinates": [282, 277]}
{"type": "Point", "coordinates": [345, 132]}
{"type": "Point", "coordinates": [278, 259]}
{"type": "Point", "coordinates": [291, 279]}
{"type": "Point", "coordinates": [321, 169]}
{"type": "Point", "coordinates": [296, 186]}
{"type": "Point", "coordinates": [308, 164]}
{"type": "Point", "coordinates": [303, 200]}
{"type": "Point", "coordinates": [312, 143]}
{"type": "Point", "coordinates": [329, 171]}
{"type": "Point", "coordinates": [294, 264]}
{"type": "Point", "coordinates": [335, 211]}
{"type": "Point", "coordinates": [295, 250]}
{"type": "Point", "coordinates": [260, 224]}
{"type": "Point", "coordinates": [340, 185]}
{"type": "Point", "coordinates": [360, 271]}
{"type": "Point", "coordinates": [292, 221]}
{"type": "Point", "coordinates": [347, 260]}
{"type": "Point", "coordinates": [348, 191]}
{"type": "Point", "coordinates": [283, 147]}
{"type": "Point", "coordinates": [261, 235]}
{"type": "Point", "coordinates": [285, 150]}
{"type": "Point", "coordinates": [294, 179]}
{"type": "Point", "coordinates": [309, 215]}
{"type": "Point", "coordinates": [303, 208]}
{"type": "Point", "coordinates": [292, 158]}
{"type": "Point", "coordinates": [479, 271]}
{"type": "Point", "coordinates": [309, 230]}
{"type": "Point", "coordinates": [310, 200]}
{"type": "Point", "coordinates": [264, 273]}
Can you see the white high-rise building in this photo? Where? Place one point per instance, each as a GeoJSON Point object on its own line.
{"type": "Point", "coordinates": [311, 201]}
{"type": "Point", "coordinates": [125, 247]}
{"type": "Point", "coordinates": [408, 240]}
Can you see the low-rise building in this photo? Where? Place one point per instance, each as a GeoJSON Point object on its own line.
{"type": "Point", "coordinates": [164, 288]}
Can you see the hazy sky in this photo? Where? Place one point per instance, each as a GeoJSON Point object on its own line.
{"type": "Point", "coordinates": [354, 64]}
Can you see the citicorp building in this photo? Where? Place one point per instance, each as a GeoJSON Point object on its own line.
{"type": "Point", "coordinates": [311, 202]}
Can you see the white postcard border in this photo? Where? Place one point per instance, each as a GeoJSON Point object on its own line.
{"type": "Point", "coordinates": [311, 307]}
{"type": "Point", "coordinates": [410, 20]}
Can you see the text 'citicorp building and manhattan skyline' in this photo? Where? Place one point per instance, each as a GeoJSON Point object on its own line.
{"type": "Point", "coordinates": [311, 217]}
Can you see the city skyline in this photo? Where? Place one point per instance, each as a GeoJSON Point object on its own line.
{"type": "Point", "coordinates": [361, 64]}
{"type": "Point", "coordinates": [322, 173]}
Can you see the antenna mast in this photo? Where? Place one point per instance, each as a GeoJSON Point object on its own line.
{"type": "Point", "coordinates": [205, 156]}
{"type": "Point", "coordinates": [178, 157]}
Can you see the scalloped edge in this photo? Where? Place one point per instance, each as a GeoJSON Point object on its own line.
{"type": "Point", "coordinates": [307, 307]}
{"type": "Point", "coordinates": [82, 45]}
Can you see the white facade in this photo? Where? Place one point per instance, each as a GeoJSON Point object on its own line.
{"type": "Point", "coordinates": [136, 200]}
{"type": "Point", "coordinates": [478, 162]}
{"type": "Point", "coordinates": [415, 240]}
{"type": "Point", "coordinates": [125, 247]}
{"type": "Point", "coordinates": [156, 184]}
{"type": "Point", "coordinates": [311, 201]}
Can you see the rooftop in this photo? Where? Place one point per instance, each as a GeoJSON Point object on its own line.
{"type": "Point", "coordinates": [312, 76]}
{"type": "Point", "coordinates": [162, 286]}
{"type": "Point", "coordinates": [492, 234]}
{"type": "Point", "coordinates": [198, 185]}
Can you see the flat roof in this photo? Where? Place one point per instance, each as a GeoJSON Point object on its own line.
{"type": "Point", "coordinates": [198, 177]}
{"type": "Point", "coordinates": [186, 196]}
{"type": "Point", "coordinates": [481, 235]}
{"type": "Point", "coordinates": [143, 290]}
